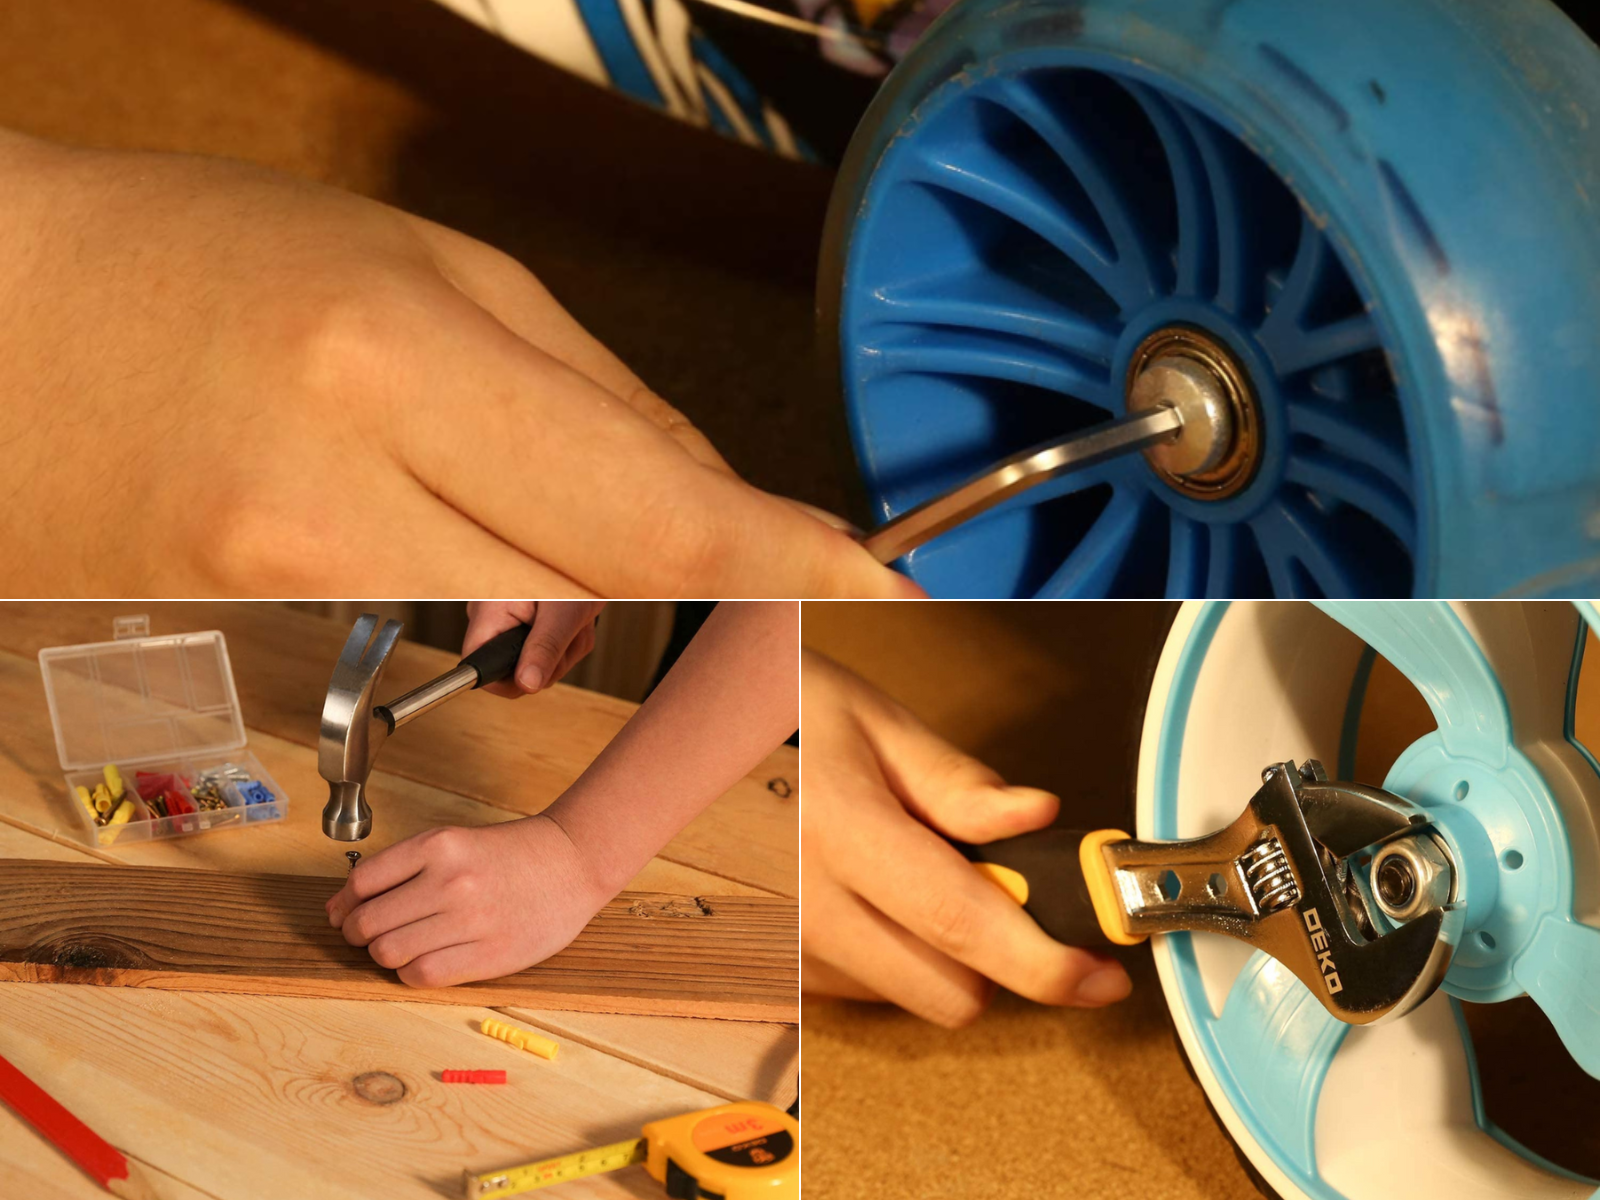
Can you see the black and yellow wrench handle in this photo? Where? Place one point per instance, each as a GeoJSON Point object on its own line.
{"type": "Point", "coordinates": [1062, 879]}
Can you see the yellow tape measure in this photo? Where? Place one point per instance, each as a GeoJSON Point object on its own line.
{"type": "Point", "coordinates": [740, 1151]}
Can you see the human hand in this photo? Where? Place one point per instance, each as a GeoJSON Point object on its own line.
{"type": "Point", "coordinates": [222, 380]}
{"type": "Point", "coordinates": [893, 911]}
{"type": "Point", "coordinates": [454, 904]}
{"type": "Point", "coordinates": [562, 633]}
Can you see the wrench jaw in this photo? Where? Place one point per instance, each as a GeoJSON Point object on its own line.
{"type": "Point", "coordinates": [351, 735]}
{"type": "Point", "coordinates": [1275, 879]}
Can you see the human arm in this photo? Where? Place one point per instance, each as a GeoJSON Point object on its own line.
{"type": "Point", "coordinates": [221, 380]}
{"type": "Point", "coordinates": [457, 904]}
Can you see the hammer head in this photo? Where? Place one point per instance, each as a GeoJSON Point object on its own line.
{"type": "Point", "coordinates": [351, 735]}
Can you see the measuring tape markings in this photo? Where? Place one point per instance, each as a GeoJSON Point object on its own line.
{"type": "Point", "coordinates": [732, 1150]}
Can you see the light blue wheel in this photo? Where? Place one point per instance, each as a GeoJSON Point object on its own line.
{"type": "Point", "coordinates": [1376, 219]}
{"type": "Point", "coordinates": [1325, 1111]}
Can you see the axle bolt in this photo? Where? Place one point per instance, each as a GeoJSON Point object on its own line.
{"type": "Point", "coordinates": [1397, 882]}
{"type": "Point", "coordinates": [1411, 876]}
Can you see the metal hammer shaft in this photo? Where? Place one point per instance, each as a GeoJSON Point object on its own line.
{"type": "Point", "coordinates": [491, 662]}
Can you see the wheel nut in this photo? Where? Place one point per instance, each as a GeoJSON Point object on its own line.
{"type": "Point", "coordinates": [1207, 433]}
{"type": "Point", "coordinates": [1412, 876]}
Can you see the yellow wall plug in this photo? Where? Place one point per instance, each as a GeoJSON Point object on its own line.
{"type": "Point", "coordinates": [520, 1038]}
{"type": "Point", "coordinates": [121, 817]}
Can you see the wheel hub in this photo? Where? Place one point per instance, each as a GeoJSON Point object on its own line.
{"type": "Point", "coordinates": [1510, 854]}
{"type": "Point", "coordinates": [1217, 452]}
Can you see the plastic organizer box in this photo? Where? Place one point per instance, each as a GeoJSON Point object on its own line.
{"type": "Point", "coordinates": [161, 711]}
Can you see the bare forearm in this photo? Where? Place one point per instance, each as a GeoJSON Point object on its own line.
{"type": "Point", "coordinates": [731, 698]}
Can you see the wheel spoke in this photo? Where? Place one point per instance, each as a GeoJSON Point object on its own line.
{"type": "Point", "coordinates": [1429, 645]}
{"type": "Point", "coordinates": [1276, 1040]}
{"type": "Point", "coordinates": [1296, 349]}
{"type": "Point", "coordinates": [1352, 483]}
{"type": "Point", "coordinates": [1238, 283]}
{"type": "Point", "coordinates": [987, 178]}
{"type": "Point", "coordinates": [1232, 555]}
{"type": "Point", "coordinates": [1307, 274]}
{"type": "Point", "coordinates": [994, 305]}
{"type": "Point", "coordinates": [1091, 170]}
{"type": "Point", "coordinates": [1092, 567]}
{"type": "Point", "coordinates": [1197, 229]}
{"type": "Point", "coordinates": [1356, 431]}
{"type": "Point", "coordinates": [989, 356]}
{"type": "Point", "coordinates": [1560, 969]}
{"type": "Point", "coordinates": [1293, 532]}
{"type": "Point", "coordinates": [1290, 340]}
{"type": "Point", "coordinates": [1065, 485]}
{"type": "Point", "coordinates": [1186, 558]}
{"type": "Point", "coordinates": [1373, 1116]}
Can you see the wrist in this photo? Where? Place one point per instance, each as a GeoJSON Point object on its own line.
{"type": "Point", "coordinates": [605, 845]}
{"type": "Point", "coordinates": [589, 873]}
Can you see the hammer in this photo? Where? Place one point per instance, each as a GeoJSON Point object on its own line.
{"type": "Point", "coordinates": [354, 728]}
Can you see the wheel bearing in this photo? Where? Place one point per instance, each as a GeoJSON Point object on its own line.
{"type": "Point", "coordinates": [1219, 448]}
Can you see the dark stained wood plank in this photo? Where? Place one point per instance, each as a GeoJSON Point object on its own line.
{"type": "Point", "coordinates": [732, 957]}
{"type": "Point", "coordinates": [515, 755]}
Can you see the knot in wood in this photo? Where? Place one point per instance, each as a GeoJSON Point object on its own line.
{"type": "Point", "coordinates": [379, 1087]}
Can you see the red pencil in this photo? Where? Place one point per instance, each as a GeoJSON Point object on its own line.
{"type": "Point", "coordinates": [98, 1157]}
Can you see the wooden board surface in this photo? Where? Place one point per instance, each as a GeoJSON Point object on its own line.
{"type": "Point", "coordinates": [245, 1097]}
{"type": "Point", "coordinates": [731, 957]}
{"type": "Point", "coordinates": [514, 755]}
{"type": "Point", "coordinates": [760, 1062]}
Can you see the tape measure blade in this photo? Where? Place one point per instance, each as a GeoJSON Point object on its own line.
{"type": "Point", "coordinates": [514, 1181]}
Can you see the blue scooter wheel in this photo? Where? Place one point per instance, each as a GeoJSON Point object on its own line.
{"type": "Point", "coordinates": [1379, 215]}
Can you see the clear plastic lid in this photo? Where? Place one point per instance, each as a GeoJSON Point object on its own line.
{"type": "Point", "coordinates": [138, 699]}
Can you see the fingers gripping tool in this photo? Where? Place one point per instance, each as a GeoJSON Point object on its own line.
{"type": "Point", "coordinates": [354, 727]}
{"type": "Point", "coordinates": [1371, 941]}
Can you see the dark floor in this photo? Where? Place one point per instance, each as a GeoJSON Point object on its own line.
{"type": "Point", "coordinates": [693, 258]}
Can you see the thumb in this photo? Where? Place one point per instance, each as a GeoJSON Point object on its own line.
{"type": "Point", "coordinates": [951, 791]}
{"type": "Point", "coordinates": [768, 545]}
{"type": "Point", "coordinates": [490, 618]}
{"type": "Point", "coordinates": [555, 624]}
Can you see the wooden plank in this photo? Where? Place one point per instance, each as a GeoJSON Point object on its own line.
{"type": "Point", "coordinates": [730, 957]}
{"type": "Point", "coordinates": [514, 755]}
{"type": "Point", "coordinates": [20, 842]}
{"type": "Point", "coordinates": [31, 1166]}
{"type": "Point", "coordinates": [254, 1096]}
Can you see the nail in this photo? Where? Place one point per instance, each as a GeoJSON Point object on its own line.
{"type": "Point", "coordinates": [1105, 985]}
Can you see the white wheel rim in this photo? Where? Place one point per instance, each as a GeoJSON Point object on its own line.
{"type": "Point", "coordinates": [1397, 1112]}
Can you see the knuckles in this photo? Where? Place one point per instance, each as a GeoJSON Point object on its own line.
{"type": "Point", "coordinates": [685, 544]}
{"type": "Point", "coordinates": [321, 367]}
{"type": "Point", "coordinates": [385, 954]}
{"type": "Point", "coordinates": [448, 845]}
{"type": "Point", "coordinates": [951, 923]}
{"type": "Point", "coordinates": [362, 927]}
{"type": "Point", "coordinates": [424, 974]}
{"type": "Point", "coordinates": [332, 346]}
